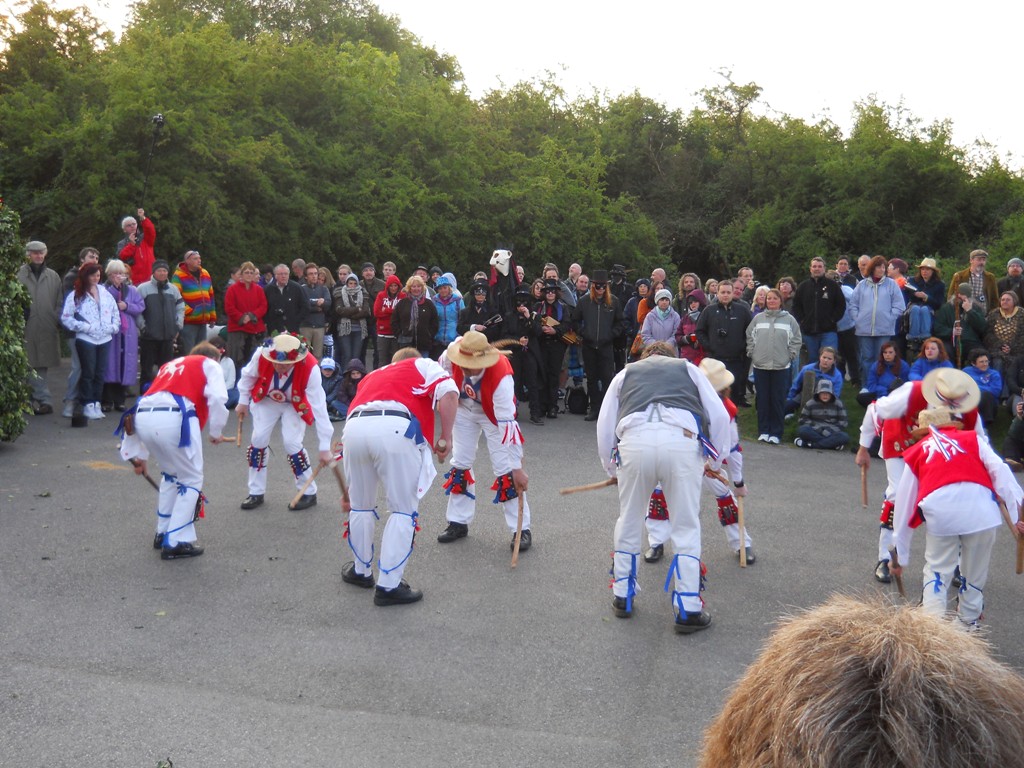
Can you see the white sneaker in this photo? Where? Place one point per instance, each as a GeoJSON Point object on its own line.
{"type": "Point", "coordinates": [762, 438]}
{"type": "Point", "coordinates": [98, 410]}
{"type": "Point", "coordinates": [69, 409]}
{"type": "Point", "coordinates": [92, 411]}
{"type": "Point", "coordinates": [774, 440]}
{"type": "Point", "coordinates": [799, 442]}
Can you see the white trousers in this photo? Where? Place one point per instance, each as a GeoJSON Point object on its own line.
{"type": "Point", "coordinates": [941, 555]}
{"type": "Point", "coordinates": [265, 416]}
{"type": "Point", "coordinates": [160, 431]}
{"type": "Point", "coordinates": [465, 440]}
{"type": "Point", "coordinates": [658, 531]}
{"type": "Point", "coordinates": [378, 452]}
{"type": "Point", "coordinates": [893, 473]}
{"type": "Point", "coordinates": [651, 454]}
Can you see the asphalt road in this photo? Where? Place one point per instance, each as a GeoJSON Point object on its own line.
{"type": "Point", "coordinates": [257, 654]}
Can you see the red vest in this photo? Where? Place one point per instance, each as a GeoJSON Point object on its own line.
{"type": "Point", "coordinates": [300, 378]}
{"type": "Point", "coordinates": [184, 376]}
{"type": "Point", "coordinates": [934, 471]}
{"type": "Point", "coordinates": [491, 378]}
{"type": "Point", "coordinates": [896, 432]}
{"type": "Point", "coordinates": [403, 383]}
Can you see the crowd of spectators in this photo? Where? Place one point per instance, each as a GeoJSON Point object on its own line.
{"type": "Point", "coordinates": [876, 325]}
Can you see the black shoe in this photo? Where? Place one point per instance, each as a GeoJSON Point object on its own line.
{"type": "Point", "coordinates": [400, 595]}
{"type": "Point", "coordinates": [882, 572]}
{"type": "Point", "coordinates": [694, 622]}
{"type": "Point", "coordinates": [535, 419]}
{"type": "Point", "coordinates": [184, 549]}
{"type": "Point", "coordinates": [552, 413]}
{"type": "Point", "coordinates": [42, 409]}
{"type": "Point", "coordinates": [349, 576]}
{"type": "Point", "coordinates": [453, 532]}
{"type": "Point", "coordinates": [305, 502]}
{"type": "Point", "coordinates": [751, 559]}
{"type": "Point", "coordinates": [654, 554]}
{"type": "Point", "coordinates": [619, 607]}
{"type": "Point", "coordinates": [955, 581]}
{"type": "Point", "coordinates": [525, 540]}
{"type": "Point", "coordinates": [252, 501]}
{"type": "Point", "coordinates": [158, 541]}
{"type": "Point", "coordinates": [592, 416]}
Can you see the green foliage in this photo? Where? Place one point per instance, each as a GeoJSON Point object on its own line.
{"type": "Point", "coordinates": [14, 391]}
{"type": "Point", "coordinates": [321, 128]}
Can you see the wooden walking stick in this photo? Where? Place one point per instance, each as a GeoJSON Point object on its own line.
{"type": "Point", "coordinates": [588, 487]}
{"type": "Point", "coordinates": [238, 434]}
{"type": "Point", "coordinates": [151, 481]}
{"type": "Point", "coordinates": [864, 486]}
{"type": "Point", "coordinates": [519, 531]}
{"type": "Point", "coordinates": [1016, 534]}
{"type": "Point", "coordinates": [336, 468]}
{"type": "Point", "coordinates": [894, 559]}
{"type": "Point", "coordinates": [302, 491]}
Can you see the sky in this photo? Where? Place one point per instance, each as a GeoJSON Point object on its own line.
{"type": "Point", "coordinates": [940, 60]}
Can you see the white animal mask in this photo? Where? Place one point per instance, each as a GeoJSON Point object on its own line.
{"type": "Point", "coordinates": [500, 261]}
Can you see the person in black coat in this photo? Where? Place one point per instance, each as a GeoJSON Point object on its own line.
{"type": "Point", "coordinates": [286, 303]}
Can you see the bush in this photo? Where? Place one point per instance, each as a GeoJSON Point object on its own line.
{"type": "Point", "coordinates": [14, 391]}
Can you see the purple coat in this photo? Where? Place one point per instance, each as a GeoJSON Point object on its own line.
{"type": "Point", "coordinates": [123, 358]}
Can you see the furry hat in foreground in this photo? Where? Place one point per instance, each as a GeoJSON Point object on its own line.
{"type": "Point", "coordinates": [855, 683]}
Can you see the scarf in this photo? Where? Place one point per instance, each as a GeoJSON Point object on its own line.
{"type": "Point", "coordinates": [663, 313]}
{"type": "Point", "coordinates": [350, 297]}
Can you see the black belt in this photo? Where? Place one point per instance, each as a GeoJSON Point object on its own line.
{"type": "Point", "coordinates": [161, 408]}
{"type": "Point", "coordinates": [357, 414]}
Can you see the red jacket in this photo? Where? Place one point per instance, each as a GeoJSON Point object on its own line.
{"type": "Point", "coordinates": [384, 305]}
{"type": "Point", "coordinates": [238, 301]}
{"type": "Point", "coordinates": [139, 258]}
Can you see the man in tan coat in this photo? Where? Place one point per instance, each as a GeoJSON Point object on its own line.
{"type": "Point", "coordinates": [42, 326]}
{"type": "Point", "coordinates": [986, 292]}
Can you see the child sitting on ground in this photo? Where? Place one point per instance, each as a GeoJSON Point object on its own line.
{"type": "Point", "coordinates": [823, 420]}
{"type": "Point", "coordinates": [354, 372]}
{"type": "Point", "coordinates": [332, 383]}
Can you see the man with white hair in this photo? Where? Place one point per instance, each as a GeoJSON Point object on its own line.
{"type": "Point", "coordinates": [42, 326]}
{"type": "Point", "coordinates": [136, 249]}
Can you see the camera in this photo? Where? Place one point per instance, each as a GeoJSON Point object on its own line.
{"type": "Point", "coordinates": [723, 332]}
{"type": "Point", "coordinates": [279, 312]}
{"type": "Point", "coordinates": [158, 120]}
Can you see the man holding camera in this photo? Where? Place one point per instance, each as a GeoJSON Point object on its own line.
{"type": "Point", "coordinates": [286, 303]}
{"type": "Point", "coordinates": [136, 248]}
{"type": "Point", "coordinates": [722, 334]}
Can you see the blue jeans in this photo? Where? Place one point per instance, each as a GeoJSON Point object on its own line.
{"type": "Point", "coordinates": [869, 347]}
{"type": "Point", "coordinates": [814, 438]}
{"type": "Point", "coordinates": [770, 402]}
{"type": "Point", "coordinates": [815, 341]}
{"type": "Point", "coordinates": [347, 347]}
{"type": "Point", "coordinates": [920, 322]}
{"type": "Point", "coordinates": [93, 358]}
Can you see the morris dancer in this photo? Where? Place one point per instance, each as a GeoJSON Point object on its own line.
{"type": "Point", "coordinates": [658, 526]}
{"type": "Point", "coordinates": [658, 421]}
{"type": "Point", "coordinates": [951, 480]}
{"type": "Point", "coordinates": [389, 435]}
{"type": "Point", "coordinates": [167, 423]}
{"type": "Point", "coordinates": [487, 404]}
{"type": "Point", "coordinates": [894, 417]}
{"type": "Point", "coordinates": [283, 382]}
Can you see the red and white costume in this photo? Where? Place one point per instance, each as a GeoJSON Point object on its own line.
{"type": "Point", "coordinates": [486, 404]}
{"type": "Point", "coordinates": [295, 399]}
{"type": "Point", "coordinates": [951, 480]}
{"type": "Point", "coordinates": [187, 394]}
{"type": "Point", "coordinates": [388, 437]}
{"type": "Point", "coordinates": [894, 417]}
{"type": "Point", "coordinates": [658, 526]}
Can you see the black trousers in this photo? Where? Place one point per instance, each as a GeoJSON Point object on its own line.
{"type": "Point", "coordinates": [552, 353]}
{"type": "Point", "coordinates": [152, 354]}
{"type": "Point", "coordinates": [599, 366]}
{"type": "Point", "coordinates": [739, 368]}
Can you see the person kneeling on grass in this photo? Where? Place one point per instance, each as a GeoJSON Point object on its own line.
{"type": "Point", "coordinates": [823, 420]}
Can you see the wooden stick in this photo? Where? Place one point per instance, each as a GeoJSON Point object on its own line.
{"type": "Point", "coordinates": [238, 435]}
{"type": "Point", "coordinates": [519, 531]}
{"type": "Point", "coordinates": [589, 487]}
{"type": "Point", "coordinates": [864, 486]}
{"type": "Point", "coordinates": [895, 561]}
{"type": "Point", "coordinates": [151, 481]}
{"type": "Point", "coordinates": [1020, 554]}
{"type": "Point", "coordinates": [309, 482]}
{"type": "Point", "coordinates": [743, 537]}
{"type": "Point", "coordinates": [1016, 534]}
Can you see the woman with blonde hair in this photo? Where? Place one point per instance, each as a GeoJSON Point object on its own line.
{"type": "Point", "coordinates": [123, 356]}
